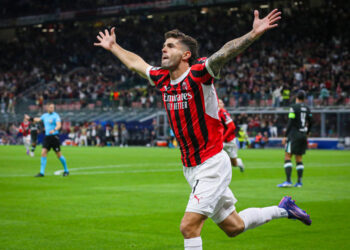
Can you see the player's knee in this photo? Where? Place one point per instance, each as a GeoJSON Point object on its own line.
{"type": "Point", "coordinates": [187, 230]}
{"type": "Point", "coordinates": [233, 161]}
{"type": "Point", "coordinates": [235, 230]}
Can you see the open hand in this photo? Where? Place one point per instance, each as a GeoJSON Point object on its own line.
{"type": "Point", "coordinates": [269, 22]}
{"type": "Point", "coordinates": [106, 40]}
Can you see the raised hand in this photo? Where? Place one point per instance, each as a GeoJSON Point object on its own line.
{"type": "Point", "coordinates": [106, 40]}
{"type": "Point", "coordinates": [269, 22]}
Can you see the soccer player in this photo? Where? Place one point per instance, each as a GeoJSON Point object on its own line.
{"type": "Point", "coordinates": [229, 138]}
{"type": "Point", "coordinates": [24, 129]}
{"type": "Point", "coordinates": [191, 104]}
{"type": "Point", "coordinates": [34, 127]}
{"type": "Point", "coordinates": [52, 124]}
{"type": "Point", "coordinates": [298, 128]}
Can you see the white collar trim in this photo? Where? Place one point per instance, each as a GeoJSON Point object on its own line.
{"type": "Point", "coordinates": [179, 79]}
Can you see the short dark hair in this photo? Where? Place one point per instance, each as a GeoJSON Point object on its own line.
{"type": "Point", "coordinates": [188, 41]}
{"type": "Point", "coordinates": [301, 95]}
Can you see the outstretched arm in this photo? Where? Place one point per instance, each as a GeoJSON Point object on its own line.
{"type": "Point", "coordinates": [129, 59]}
{"type": "Point", "coordinates": [238, 45]}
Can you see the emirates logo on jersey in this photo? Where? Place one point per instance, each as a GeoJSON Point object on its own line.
{"type": "Point", "coordinates": [177, 98]}
{"type": "Point", "coordinates": [184, 85]}
{"type": "Point", "coordinates": [176, 102]}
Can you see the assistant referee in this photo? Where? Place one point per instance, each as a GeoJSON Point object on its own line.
{"type": "Point", "coordinates": [52, 125]}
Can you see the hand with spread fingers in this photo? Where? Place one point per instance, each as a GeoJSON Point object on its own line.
{"type": "Point", "coordinates": [107, 40]}
{"type": "Point", "coordinates": [269, 22]}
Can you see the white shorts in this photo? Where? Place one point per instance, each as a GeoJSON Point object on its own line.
{"type": "Point", "coordinates": [26, 140]}
{"type": "Point", "coordinates": [231, 148]}
{"type": "Point", "coordinates": [211, 195]}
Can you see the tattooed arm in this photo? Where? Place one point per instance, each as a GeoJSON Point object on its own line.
{"type": "Point", "coordinates": [238, 45]}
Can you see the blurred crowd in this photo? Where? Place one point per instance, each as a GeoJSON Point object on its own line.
{"type": "Point", "coordinates": [109, 134]}
{"type": "Point", "coordinates": [64, 66]}
{"type": "Point", "coordinates": [89, 134]}
{"type": "Point", "coordinates": [12, 9]}
{"type": "Point", "coordinates": [263, 126]}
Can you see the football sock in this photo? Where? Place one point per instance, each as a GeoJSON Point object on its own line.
{"type": "Point", "coordinates": [64, 163]}
{"type": "Point", "coordinates": [33, 148]}
{"type": "Point", "coordinates": [43, 164]}
{"type": "Point", "coordinates": [239, 162]}
{"type": "Point", "coordinates": [193, 243]}
{"type": "Point", "coordinates": [288, 169]}
{"type": "Point", "coordinates": [254, 217]}
{"type": "Point", "coordinates": [300, 170]}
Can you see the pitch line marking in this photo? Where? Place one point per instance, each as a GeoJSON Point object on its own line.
{"type": "Point", "coordinates": [59, 172]}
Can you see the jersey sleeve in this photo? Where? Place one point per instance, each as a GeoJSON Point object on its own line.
{"type": "Point", "coordinates": [58, 118]}
{"type": "Point", "coordinates": [226, 117]}
{"type": "Point", "coordinates": [156, 75]}
{"type": "Point", "coordinates": [202, 72]}
{"type": "Point", "coordinates": [291, 114]}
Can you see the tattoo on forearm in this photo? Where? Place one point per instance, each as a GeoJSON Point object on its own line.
{"type": "Point", "coordinates": [228, 51]}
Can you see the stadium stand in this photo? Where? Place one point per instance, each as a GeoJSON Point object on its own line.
{"type": "Point", "coordinates": [56, 61]}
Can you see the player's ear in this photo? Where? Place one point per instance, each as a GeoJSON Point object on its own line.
{"type": "Point", "coordinates": [186, 55]}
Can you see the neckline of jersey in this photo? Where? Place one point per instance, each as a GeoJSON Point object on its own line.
{"type": "Point", "coordinates": [180, 78]}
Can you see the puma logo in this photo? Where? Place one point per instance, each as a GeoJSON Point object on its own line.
{"type": "Point", "coordinates": [196, 197]}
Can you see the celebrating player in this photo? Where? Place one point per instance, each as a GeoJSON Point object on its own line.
{"type": "Point", "coordinates": [24, 129]}
{"type": "Point", "coordinates": [191, 104]}
{"type": "Point", "coordinates": [230, 145]}
{"type": "Point", "coordinates": [52, 124]}
{"type": "Point", "coordinates": [299, 126]}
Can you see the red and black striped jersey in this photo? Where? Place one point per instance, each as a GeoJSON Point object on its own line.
{"type": "Point", "coordinates": [191, 104]}
{"type": "Point", "coordinates": [226, 120]}
{"type": "Point", "coordinates": [24, 128]}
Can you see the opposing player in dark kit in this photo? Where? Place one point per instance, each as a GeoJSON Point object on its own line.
{"type": "Point", "coordinates": [298, 128]}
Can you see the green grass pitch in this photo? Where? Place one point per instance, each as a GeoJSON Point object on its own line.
{"type": "Point", "coordinates": [134, 198]}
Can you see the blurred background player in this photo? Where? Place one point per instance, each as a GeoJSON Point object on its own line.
{"type": "Point", "coordinates": [52, 125]}
{"type": "Point", "coordinates": [230, 145]}
{"type": "Point", "coordinates": [33, 127]}
{"type": "Point", "coordinates": [299, 126]}
{"type": "Point", "coordinates": [24, 129]}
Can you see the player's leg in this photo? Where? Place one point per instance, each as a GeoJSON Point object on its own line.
{"type": "Point", "coordinates": [231, 149]}
{"type": "Point", "coordinates": [287, 165]}
{"type": "Point", "coordinates": [299, 149]}
{"type": "Point", "coordinates": [208, 181]}
{"type": "Point", "coordinates": [62, 159]}
{"type": "Point", "coordinates": [250, 218]}
{"type": "Point", "coordinates": [43, 160]}
{"type": "Point", "coordinates": [300, 170]}
{"type": "Point", "coordinates": [33, 145]}
{"type": "Point", "coordinates": [26, 143]}
{"type": "Point", "coordinates": [234, 162]}
{"type": "Point", "coordinates": [239, 161]}
{"type": "Point", "coordinates": [191, 227]}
